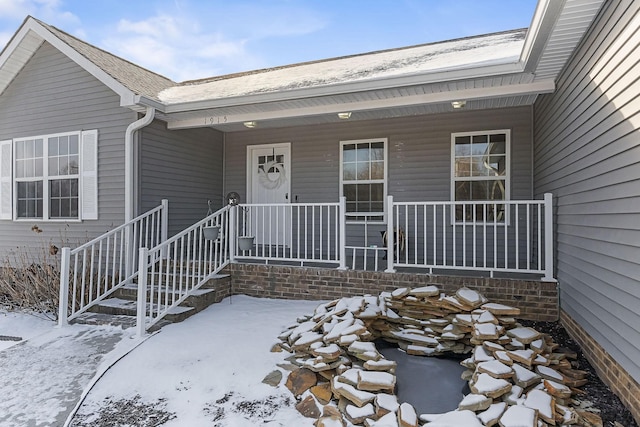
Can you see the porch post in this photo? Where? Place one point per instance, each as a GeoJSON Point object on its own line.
{"type": "Point", "coordinates": [548, 238]}
{"type": "Point", "coordinates": [164, 232]}
{"type": "Point", "coordinates": [63, 302]}
{"type": "Point", "coordinates": [164, 227]}
{"type": "Point", "coordinates": [232, 233]}
{"type": "Point", "coordinates": [390, 236]}
{"type": "Point", "coordinates": [142, 292]}
{"type": "Point", "coordinates": [342, 207]}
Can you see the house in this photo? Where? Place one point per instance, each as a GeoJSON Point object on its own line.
{"type": "Point", "coordinates": [466, 136]}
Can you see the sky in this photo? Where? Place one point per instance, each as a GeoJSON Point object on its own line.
{"type": "Point", "coordinates": [192, 39]}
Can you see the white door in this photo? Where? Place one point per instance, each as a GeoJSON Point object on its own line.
{"type": "Point", "coordinates": [269, 182]}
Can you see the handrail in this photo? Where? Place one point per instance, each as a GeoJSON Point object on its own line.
{"type": "Point", "coordinates": [118, 228]}
{"type": "Point", "coordinates": [172, 270]}
{"type": "Point", "coordinates": [107, 262]}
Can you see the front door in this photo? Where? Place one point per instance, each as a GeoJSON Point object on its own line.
{"type": "Point", "coordinates": [269, 183]}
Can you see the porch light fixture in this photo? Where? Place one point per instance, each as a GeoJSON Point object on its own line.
{"type": "Point", "coordinates": [250, 125]}
{"type": "Point", "coordinates": [344, 116]}
{"type": "Point", "coordinates": [458, 104]}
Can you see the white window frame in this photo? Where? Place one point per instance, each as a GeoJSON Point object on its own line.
{"type": "Point", "coordinates": [383, 181]}
{"type": "Point", "coordinates": [507, 176]}
{"type": "Point", "coordinates": [86, 176]}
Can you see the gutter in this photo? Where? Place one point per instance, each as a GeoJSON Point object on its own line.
{"type": "Point", "coordinates": [129, 169]}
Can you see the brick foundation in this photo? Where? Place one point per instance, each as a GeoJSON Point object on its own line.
{"type": "Point", "coordinates": [609, 371]}
{"type": "Point", "coordinates": [536, 300]}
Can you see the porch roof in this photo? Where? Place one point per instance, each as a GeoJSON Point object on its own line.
{"type": "Point", "coordinates": [491, 71]}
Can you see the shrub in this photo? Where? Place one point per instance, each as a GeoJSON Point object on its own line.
{"type": "Point", "coordinates": [30, 280]}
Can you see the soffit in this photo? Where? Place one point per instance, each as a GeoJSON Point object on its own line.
{"type": "Point", "coordinates": [16, 55]}
{"type": "Point", "coordinates": [574, 20]}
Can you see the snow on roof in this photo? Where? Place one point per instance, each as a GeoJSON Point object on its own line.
{"type": "Point", "coordinates": [498, 48]}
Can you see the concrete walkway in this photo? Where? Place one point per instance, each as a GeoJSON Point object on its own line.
{"type": "Point", "coordinates": [42, 379]}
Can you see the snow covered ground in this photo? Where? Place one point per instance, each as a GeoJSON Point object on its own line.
{"type": "Point", "coordinates": [205, 371]}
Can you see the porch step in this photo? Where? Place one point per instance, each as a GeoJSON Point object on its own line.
{"type": "Point", "coordinates": [123, 304]}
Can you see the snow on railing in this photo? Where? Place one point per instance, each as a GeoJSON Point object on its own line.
{"type": "Point", "coordinates": [93, 271]}
{"type": "Point", "coordinates": [171, 271]}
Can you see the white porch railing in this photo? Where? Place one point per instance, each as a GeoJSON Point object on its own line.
{"type": "Point", "coordinates": [93, 271]}
{"type": "Point", "coordinates": [507, 236]}
{"type": "Point", "coordinates": [171, 271]}
{"type": "Point", "coordinates": [296, 232]}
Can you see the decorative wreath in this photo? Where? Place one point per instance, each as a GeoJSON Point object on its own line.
{"type": "Point", "coordinates": [266, 181]}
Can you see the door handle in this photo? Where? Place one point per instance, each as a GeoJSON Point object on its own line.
{"type": "Point", "coordinates": [286, 196]}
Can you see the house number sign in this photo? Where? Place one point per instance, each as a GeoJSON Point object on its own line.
{"type": "Point", "coordinates": [215, 120]}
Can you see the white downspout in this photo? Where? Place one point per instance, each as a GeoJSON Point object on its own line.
{"type": "Point", "coordinates": [129, 214]}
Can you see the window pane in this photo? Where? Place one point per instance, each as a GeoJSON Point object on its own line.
{"type": "Point", "coordinates": [20, 169]}
{"type": "Point", "coordinates": [364, 192]}
{"type": "Point", "coordinates": [463, 146]}
{"type": "Point", "coordinates": [55, 189]}
{"type": "Point", "coordinates": [73, 164]}
{"type": "Point", "coordinates": [377, 170]}
{"type": "Point", "coordinates": [479, 190]}
{"type": "Point", "coordinates": [497, 165]}
{"type": "Point", "coordinates": [363, 171]}
{"type": "Point", "coordinates": [55, 208]}
{"type": "Point", "coordinates": [38, 145]}
{"type": "Point", "coordinates": [349, 173]}
{"type": "Point", "coordinates": [53, 166]}
{"type": "Point", "coordinates": [74, 208]}
{"type": "Point", "coordinates": [377, 151]}
{"type": "Point", "coordinates": [38, 170]}
{"type": "Point", "coordinates": [363, 152]}
{"type": "Point", "coordinates": [463, 166]}
{"type": "Point", "coordinates": [498, 137]}
{"type": "Point", "coordinates": [63, 166]}
{"type": "Point", "coordinates": [29, 150]}
{"type": "Point", "coordinates": [73, 144]}
{"type": "Point", "coordinates": [350, 192]}
{"type": "Point", "coordinates": [349, 153]}
{"type": "Point", "coordinates": [53, 146]}
{"type": "Point", "coordinates": [463, 190]}
{"type": "Point", "coordinates": [63, 143]}
{"type": "Point", "coordinates": [20, 150]}
{"type": "Point", "coordinates": [496, 190]}
{"type": "Point", "coordinates": [377, 192]}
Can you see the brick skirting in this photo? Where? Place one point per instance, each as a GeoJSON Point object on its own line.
{"type": "Point", "coordinates": [536, 300]}
{"type": "Point", "coordinates": [609, 371]}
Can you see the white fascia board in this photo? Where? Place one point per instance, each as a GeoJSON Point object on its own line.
{"type": "Point", "coordinates": [11, 61]}
{"type": "Point", "coordinates": [203, 119]}
{"type": "Point", "coordinates": [351, 87]}
{"type": "Point", "coordinates": [544, 20]}
{"type": "Point", "coordinates": [140, 102]}
{"type": "Point", "coordinates": [124, 93]}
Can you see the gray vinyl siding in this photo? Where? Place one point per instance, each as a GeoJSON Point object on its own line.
{"type": "Point", "coordinates": [183, 166]}
{"type": "Point", "coordinates": [587, 152]}
{"type": "Point", "coordinates": [419, 152]}
{"type": "Point", "coordinates": [53, 94]}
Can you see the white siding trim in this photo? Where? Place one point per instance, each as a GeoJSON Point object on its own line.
{"type": "Point", "coordinates": [6, 183]}
{"type": "Point", "coordinates": [89, 174]}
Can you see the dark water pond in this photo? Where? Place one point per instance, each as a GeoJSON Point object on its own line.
{"type": "Point", "coordinates": [430, 384]}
